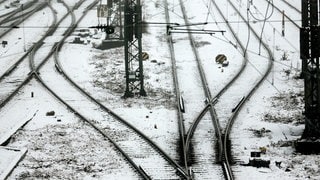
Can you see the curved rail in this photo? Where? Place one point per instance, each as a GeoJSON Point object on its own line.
{"type": "Point", "coordinates": [55, 51]}
{"type": "Point", "coordinates": [179, 169]}
{"type": "Point", "coordinates": [20, 12]}
{"type": "Point", "coordinates": [244, 99]}
{"type": "Point", "coordinates": [100, 130]}
{"type": "Point", "coordinates": [225, 133]}
{"type": "Point", "coordinates": [35, 73]}
{"type": "Point", "coordinates": [224, 89]}
{"type": "Point", "coordinates": [181, 126]}
{"type": "Point", "coordinates": [209, 106]}
{"type": "Point", "coordinates": [212, 101]}
{"type": "Point", "coordinates": [30, 50]}
{"type": "Point", "coordinates": [213, 114]}
{"type": "Point", "coordinates": [19, 21]}
{"type": "Point", "coordinates": [8, 15]}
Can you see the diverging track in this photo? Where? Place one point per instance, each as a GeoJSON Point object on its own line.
{"type": "Point", "coordinates": [227, 114]}
{"type": "Point", "coordinates": [266, 69]}
{"type": "Point", "coordinates": [146, 157]}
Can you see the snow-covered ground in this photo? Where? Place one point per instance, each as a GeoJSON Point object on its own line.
{"type": "Point", "coordinates": [63, 147]}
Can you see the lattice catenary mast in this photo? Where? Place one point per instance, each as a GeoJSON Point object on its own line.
{"type": "Point", "coordinates": [310, 53]}
{"type": "Point", "coordinates": [133, 49]}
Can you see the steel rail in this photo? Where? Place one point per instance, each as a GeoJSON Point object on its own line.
{"type": "Point", "coordinates": [54, 52]}
{"type": "Point", "coordinates": [15, 11]}
{"type": "Point", "coordinates": [35, 73]}
{"type": "Point", "coordinates": [215, 120]}
{"type": "Point", "coordinates": [100, 130]}
{"type": "Point", "coordinates": [209, 106]}
{"type": "Point", "coordinates": [179, 169]}
{"type": "Point", "coordinates": [270, 60]}
{"type": "Point", "coordinates": [22, 11]}
{"type": "Point", "coordinates": [224, 89]}
{"type": "Point", "coordinates": [226, 164]}
{"type": "Point", "coordinates": [226, 167]}
{"type": "Point", "coordinates": [30, 74]}
{"type": "Point", "coordinates": [182, 131]}
{"type": "Point", "coordinates": [246, 98]}
{"type": "Point", "coordinates": [19, 21]}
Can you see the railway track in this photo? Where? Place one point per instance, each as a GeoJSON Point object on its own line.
{"type": "Point", "coordinates": [107, 125]}
{"type": "Point", "coordinates": [34, 68]}
{"type": "Point", "coordinates": [5, 17]}
{"type": "Point", "coordinates": [20, 13]}
{"type": "Point", "coordinates": [17, 73]}
{"type": "Point", "coordinates": [35, 73]}
{"type": "Point", "coordinates": [210, 104]}
{"type": "Point", "coordinates": [117, 128]}
{"type": "Point", "coordinates": [225, 161]}
{"type": "Point", "coordinates": [184, 136]}
{"type": "Point", "coordinates": [180, 103]}
{"type": "Point", "coordinates": [257, 84]}
{"type": "Point", "coordinates": [223, 145]}
{"type": "Point", "coordinates": [148, 148]}
{"type": "Point", "coordinates": [25, 75]}
{"type": "Point", "coordinates": [14, 43]}
{"type": "Point", "coordinates": [12, 22]}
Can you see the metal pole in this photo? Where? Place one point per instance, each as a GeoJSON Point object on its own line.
{"type": "Point", "coordinates": [126, 46]}
{"type": "Point", "coordinates": [139, 37]}
{"type": "Point", "coordinates": [133, 49]}
{"type": "Point", "coordinates": [309, 48]}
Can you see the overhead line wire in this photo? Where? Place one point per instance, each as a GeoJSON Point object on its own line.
{"type": "Point", "coordinates": [264, 23]}
{"type": "Point", "coordinates": [248, 28]}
